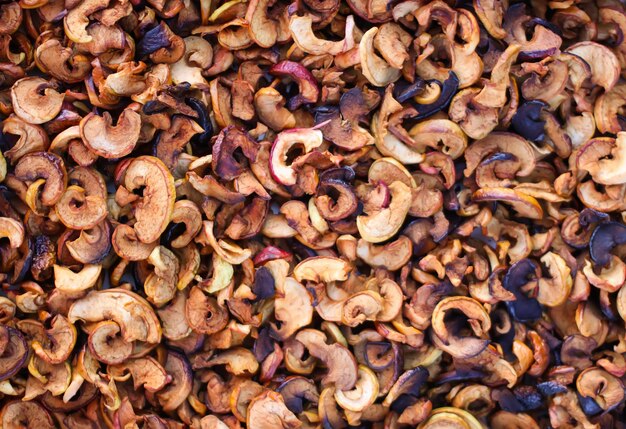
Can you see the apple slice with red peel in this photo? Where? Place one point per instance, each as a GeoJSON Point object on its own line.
{"type": "Point", "coordinates": [271, 253]}
{"type": "Point", "coordinates": [307, 85]}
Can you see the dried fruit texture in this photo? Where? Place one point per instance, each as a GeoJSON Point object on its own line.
{"type": "Point", "coordinates": [319, 214]}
